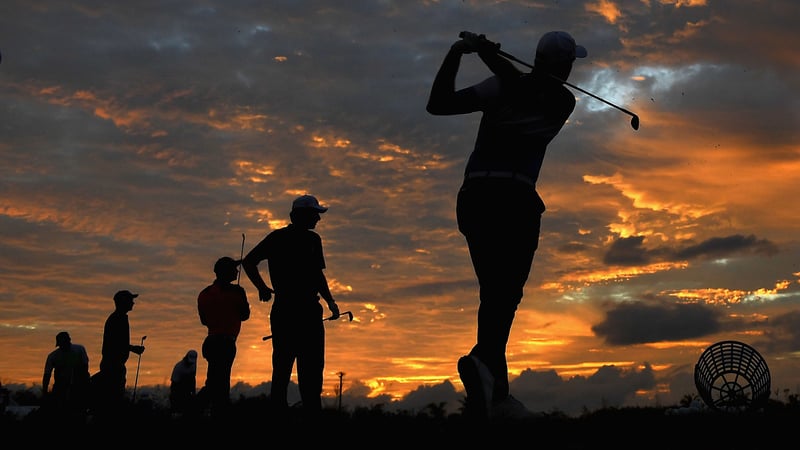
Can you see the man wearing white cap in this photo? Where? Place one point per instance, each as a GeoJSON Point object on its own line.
{"type": "Point", "coordinates": [498, 209]}
{"type": "Point", "coordinates": [296, 269]}
{"type": "Point", "coordinates": [183, 384]}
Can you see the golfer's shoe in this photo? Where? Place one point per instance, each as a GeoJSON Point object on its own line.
{"type": "Point", "coordinates": [479, 383]}
{"type": "Point", "coordinates": [509, 409]}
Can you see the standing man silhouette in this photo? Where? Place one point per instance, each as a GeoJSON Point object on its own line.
{"type": "Point", "coordinates": [296, 263]}
{"type": "Point", "coordinates": [68, 365]}
{"type": "Point", "coordinates": [498, 209]}
{"type": "Point", "coordinates": [222, 307]}
{"type": "Point", "coordinates": [115, 352]}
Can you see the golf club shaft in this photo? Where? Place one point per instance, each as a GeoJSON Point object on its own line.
{"type": "Point", "coordinates": [241, 256]}
{"type": "Point", "coordinates": [346, 313]}
{"type": "Point", "coordinates": [139, 363]}
{"type": "Point", "coordinates": [634, 117]}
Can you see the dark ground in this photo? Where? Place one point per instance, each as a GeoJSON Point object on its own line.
{"type": "Point", "coordinates": [250, 423]}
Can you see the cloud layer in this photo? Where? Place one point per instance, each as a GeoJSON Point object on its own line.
{"type": "Point", "coordinates": [143, 141]}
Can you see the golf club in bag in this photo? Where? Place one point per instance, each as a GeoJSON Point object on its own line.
{"type": "Point", "coordinates": [136, 381]}
{"type": "Point", "coordinates": [634, 117]}
{"type": "Point", "coordinates": [342, 314]}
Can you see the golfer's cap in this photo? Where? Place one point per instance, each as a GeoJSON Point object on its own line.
{"type": "Point", "coordinates": [124, 295]}
{"type": "Point", "coordinates": [62, 337]}
{"type": "Point", "coordinates": [225, 263]}
{"type": "Point", "coordinates": [557, 46]}
{"type": "Point", "coordinates": [308, 201]}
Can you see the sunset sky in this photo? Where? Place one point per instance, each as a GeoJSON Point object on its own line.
{"type": "Point", "coordinates": [142, 140]}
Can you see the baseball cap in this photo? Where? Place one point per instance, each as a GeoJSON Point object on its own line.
{"type": "Point", "coordinates": [556, 46]}
{"type": "Point", "coordinates": [308, 201]}
{"type": "Point", "coordinates": [124, 295]}
{"type": "Point", "coordinates": [225, 263]}
{"type": "Point", "coordinates": [61, 337]}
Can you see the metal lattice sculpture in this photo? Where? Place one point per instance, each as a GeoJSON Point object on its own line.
{"type": "Point", "coordinates": [732, 377]}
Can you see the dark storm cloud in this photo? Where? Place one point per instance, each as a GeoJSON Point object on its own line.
{"type": "Point", "coordinates": [428, 396]}
{"type": "Point", "coordinates": [632, 252]}
{"type": "Point", "coordinates": [726, 246]}
{"type": "Point", "coordinates": [783, 333]}
{"type": "Point", "coordinates": [610, 386]}
{"type": "Point", "coordinates": [627, 252]}
{"type": "Point", "coordinates": [639, 323]}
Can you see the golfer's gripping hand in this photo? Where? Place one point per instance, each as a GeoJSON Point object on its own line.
{"type": "Point", "coordinates": [334, 310]}
{"type": "Point", "coordinates": [471, 42]}
{"type": "Point", "coordinates": [265, 295]}
{"type": "Point", "coordinates": [138, 349]}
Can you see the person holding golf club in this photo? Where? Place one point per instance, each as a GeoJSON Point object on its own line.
{"type": "Point", "coordinates": [222, 307]}
{"type": "Point", "coordinates": [110, 381]}
{"type": "Point", "coordinates": [296, 269]}
{"type": "Point", "coordinates": [498, 209]}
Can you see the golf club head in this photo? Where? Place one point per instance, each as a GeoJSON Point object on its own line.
{"type": "Point", "coordinates": [349, 315]}
{"type": "Point", "coordinates": [635, 122]}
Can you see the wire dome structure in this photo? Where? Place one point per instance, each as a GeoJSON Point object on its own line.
{"type": "Point", "coordinates": [732, 376]}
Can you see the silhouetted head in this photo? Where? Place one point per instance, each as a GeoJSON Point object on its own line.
{"type": "Point", "coordinates": [63, 340]}
{"type": "Point", "coordinates": [309, 202]}
{"type": "Point", "coordinates": [227, 268]}
{"type": "Point", "coordinates": [124, 299]}
{"type": "Point", "coordinates": [191, 357]}
{"type": "Point", "coordinates": [556, 52]}
{"type": "Point", "coordinates": [306, 211]}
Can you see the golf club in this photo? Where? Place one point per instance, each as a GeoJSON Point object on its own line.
{"type": "Point", "coordinates": [241, 256]}
{"type": "Point", "coordinates": [634, 117]}
{"type": "Point", "coordinates": [347, 313]}
{"type": "Point", "coordinates": [136, 382]}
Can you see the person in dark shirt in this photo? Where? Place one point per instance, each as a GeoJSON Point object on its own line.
{"type": "Point", "coordinates": [296, 268]}
{"type": "Point", "coordinates": [222, 307]}
{"type": "Point", "coordinates": [68, 365]}
{"type": "Point", "coordinates": [183, 384]}
{"type": "Point", "coordinates": [110, 381]}
{"type": "Point", "coordinates": [498, 209]}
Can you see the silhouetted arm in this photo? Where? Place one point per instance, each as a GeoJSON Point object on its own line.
{"type": "Point", "coordinates": [499, 66]}
{"type": "Point", "coordinates": [325, 293]}
{"type": "Point", "coordinates": [444, 99]}
{"type": "Point", "coordinates": [250, 266]}
{"type": "Point", "coordinates": [48, 370]}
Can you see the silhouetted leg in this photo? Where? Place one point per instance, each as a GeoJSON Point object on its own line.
{"type": "Point", "coordinates": [282, 363]}
{"type": "Point", "coordinates": [310, 367]}
{"type": "Point", "coordinates": [501, 223]}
